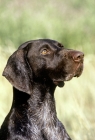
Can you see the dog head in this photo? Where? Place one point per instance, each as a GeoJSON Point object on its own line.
{"type": "Point", "coordinates": [42, 59]}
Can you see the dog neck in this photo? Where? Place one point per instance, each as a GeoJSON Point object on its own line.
{"type": "Point", "coordinates": [38, 108]}
{"type": "Point", "coordinates": [36, 112]}
{"type": "Point", "coordinates": [39, 104]}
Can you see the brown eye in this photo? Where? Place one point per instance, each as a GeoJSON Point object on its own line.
{"type": "Point", "coordinates": [45, 51]}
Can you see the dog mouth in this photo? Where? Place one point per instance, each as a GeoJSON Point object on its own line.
{"type": "Point", "coordinates": [77, 72]}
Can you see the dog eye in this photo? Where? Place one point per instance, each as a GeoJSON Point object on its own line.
{"type": "Point", "coordinates": [45, 51]}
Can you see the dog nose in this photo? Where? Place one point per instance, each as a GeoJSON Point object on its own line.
{"type": "Point", "coordinates": [77, 56]}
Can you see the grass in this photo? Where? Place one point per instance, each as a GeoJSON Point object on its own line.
{"type": "Point", "coordinates": [71, 23]}
{"type": "Point", "coordinates": [75, 102]}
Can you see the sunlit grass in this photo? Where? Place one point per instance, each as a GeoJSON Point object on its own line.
{"type": "Point", "coordinates": [75, 102]}
{"type": "Point", "coordinates": [5, 87]}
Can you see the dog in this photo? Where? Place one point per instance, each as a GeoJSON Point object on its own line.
{"type": "Point", "coordinates": [34, 71]}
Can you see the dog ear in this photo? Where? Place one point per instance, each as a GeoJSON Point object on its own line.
{"type": "Point", "coordinates": [17, 70]}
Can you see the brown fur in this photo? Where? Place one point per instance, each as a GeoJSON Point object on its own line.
{"type": "Point", "coordinates": [35, 70]}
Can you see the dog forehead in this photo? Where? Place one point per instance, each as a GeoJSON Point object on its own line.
{"type": "Point", "coordinates": [36, 46]}
{"type": "Point", "coordinates": [47, 43]}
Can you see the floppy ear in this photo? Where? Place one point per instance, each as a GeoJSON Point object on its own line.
{"type": "Point", "coordinates": [17, 71]}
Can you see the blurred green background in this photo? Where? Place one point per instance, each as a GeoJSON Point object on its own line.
{"type": "Point", "coordinates": [70, 22]}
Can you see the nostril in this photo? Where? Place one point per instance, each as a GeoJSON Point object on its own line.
{"type": "Point", "coordinates": [78, 56]}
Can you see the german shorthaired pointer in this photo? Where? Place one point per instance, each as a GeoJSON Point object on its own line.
{"type": "Point", "coordinates": [34, 70]}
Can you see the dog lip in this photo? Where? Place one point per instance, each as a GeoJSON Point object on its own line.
{"type": "Point", "coordinates": [78, 70]}
{"type": "Point", "coordinates": [69, 77]}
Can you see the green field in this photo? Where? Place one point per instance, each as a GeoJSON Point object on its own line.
{"type": "Point", "coordinates": [73, 24]}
